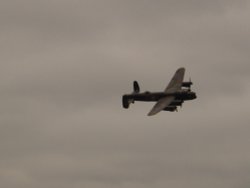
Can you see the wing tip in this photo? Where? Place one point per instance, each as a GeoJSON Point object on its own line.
{"type": "Point", "coordinates": [181, 69]}
{"type": "Point", "coordinates": [152, 112]}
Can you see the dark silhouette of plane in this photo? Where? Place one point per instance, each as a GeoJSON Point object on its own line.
{"type": "Point", "coordinates": [174, 95]}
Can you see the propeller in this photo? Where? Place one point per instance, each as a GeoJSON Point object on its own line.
{"type": "Point", "coordinates": [189, 88]}
{"type": "Point", "coordinates": [181, 104]}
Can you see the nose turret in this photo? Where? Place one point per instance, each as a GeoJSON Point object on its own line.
{"type": "Point", "coordinates": [193, 95]}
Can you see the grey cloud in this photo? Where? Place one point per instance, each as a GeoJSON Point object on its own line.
{"type": "Point", "coordinates": [65, 65]}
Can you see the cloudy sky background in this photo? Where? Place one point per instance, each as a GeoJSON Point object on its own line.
{"type": "Point", "coordinates": [65, 65]}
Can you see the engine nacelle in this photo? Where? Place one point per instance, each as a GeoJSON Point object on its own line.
{"type": "Point", "coordinates": [170, 108]}
{"type": "Point", "coordinates": [176, 103]}
{"type": "Point", "coordinates": [187, 84]}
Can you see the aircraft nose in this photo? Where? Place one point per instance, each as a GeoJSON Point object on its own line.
{"type": "Point", "coordinates": [195, 96]}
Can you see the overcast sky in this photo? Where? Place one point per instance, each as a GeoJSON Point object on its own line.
{"type": "Point", "coordinates": [64, 65]}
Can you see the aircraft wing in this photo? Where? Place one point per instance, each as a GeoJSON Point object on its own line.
{"type": "Point", "coordinates": [161, 104]}
{"type": "Point", "coordinates": [176, 82]}
{"type": "Point", "coordinates": [174, 85]}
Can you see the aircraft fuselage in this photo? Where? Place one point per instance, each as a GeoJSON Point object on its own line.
{"type": "Point", "coordinates": [155, 96]}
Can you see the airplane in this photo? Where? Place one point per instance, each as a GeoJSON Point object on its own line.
{"type": "Point", "coordinates": [174, 95]}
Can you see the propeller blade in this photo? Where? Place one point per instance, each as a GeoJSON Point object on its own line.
{"type": "Point", "coordinates": [189, 88]}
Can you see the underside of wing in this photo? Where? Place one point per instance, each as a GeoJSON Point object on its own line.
{"type": "Point", "coordinates": [176, 82]}
{"type": "Point", "coordinates": [161, 104]}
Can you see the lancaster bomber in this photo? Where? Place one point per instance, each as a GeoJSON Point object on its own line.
{"type": "Point", "coordinates": [174, 95]}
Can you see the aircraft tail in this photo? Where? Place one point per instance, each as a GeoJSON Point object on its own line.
{"type": "Point", "coordinates": [136, 87]}
{"type": "Point", "coordinates": [126, 99]}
